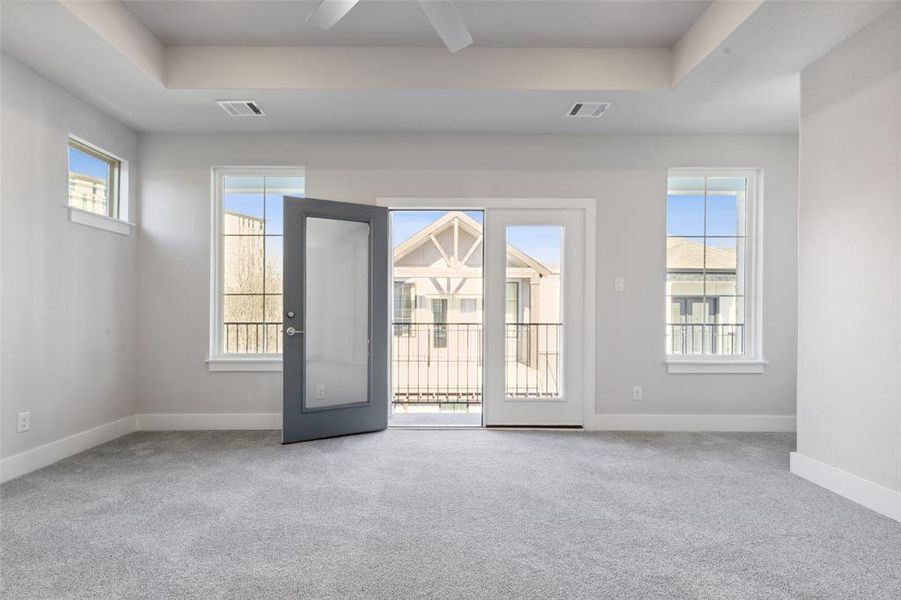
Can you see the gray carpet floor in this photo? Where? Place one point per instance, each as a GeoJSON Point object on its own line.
{"type": "Point", "coordinates": [440, 514]}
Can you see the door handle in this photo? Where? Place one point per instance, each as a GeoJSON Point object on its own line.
{"type": "Point", "coordinates": [290, 331]}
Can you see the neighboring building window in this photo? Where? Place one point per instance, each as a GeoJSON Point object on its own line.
{"type": "Point", "coordinates": [249, 247]}
{"type": "Point", "coordinates": [404, 301]}
{"type": "Point", "coordinates": [94, 178]}
{"type": "Point", "coordinates": [710, 272]}
{"type": "Point", "coordinates": [439, 318]}
{"type": "Point", "coordinates": [512, 302]}
{"type": "Point", "coordinates": [469, 305]}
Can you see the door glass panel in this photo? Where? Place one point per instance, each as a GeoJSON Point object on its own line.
{"type": "Point", "coordinates": [336, 316]}
{"type": "Point", "coordinates": [534, 312]}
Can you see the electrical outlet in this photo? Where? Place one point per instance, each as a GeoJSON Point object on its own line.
{"type": "Point", "coordinates": [320, 391]}
{"type": "Point", "coordinates": [636, 392]}
{"type": "Point", "coordinates": [23, 423]}
{"type": "Point", "coordinates": [619, 284]}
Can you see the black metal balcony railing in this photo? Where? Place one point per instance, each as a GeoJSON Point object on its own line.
{"type": "Point", "coordinates": [698, 338]}
{"type": "Point", "coordinates": [441, 363]}
{"type": "Point", "coordinates": [252, 338]}
{"type": "Point", "coordinates": [532, 359]}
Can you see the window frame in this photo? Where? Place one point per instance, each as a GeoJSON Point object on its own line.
{"type": "Point", "coordinates": [116, 219]}
{"type": "Point", "coordinates": [751, 360]}
{"type": "Point", "coordinates": [218, 360]}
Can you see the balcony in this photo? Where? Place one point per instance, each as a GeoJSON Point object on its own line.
{"type": "Point", "coordinates": [442, 363]}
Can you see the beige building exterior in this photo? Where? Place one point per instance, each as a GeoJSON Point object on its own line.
{"type": "Point", "coordinates": [88, 193]}
{"type": "Point", "coordinates": [705, 298]}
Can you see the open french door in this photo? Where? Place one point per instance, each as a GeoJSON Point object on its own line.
{"type": "Point", "coordinates": [335, 357]}
{"type": "Point", "coordinates": [535, 323]}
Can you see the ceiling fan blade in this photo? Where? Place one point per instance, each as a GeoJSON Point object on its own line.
{"type": "Point", "coordinates": [448, 23]}
{"type": "Point", "coordinates": [329, 12]}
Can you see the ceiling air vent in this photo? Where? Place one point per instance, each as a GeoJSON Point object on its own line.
{"type": "Point", "coordinates": [241, 108]}
{"type": "Point", "coordinates": [590, 110]}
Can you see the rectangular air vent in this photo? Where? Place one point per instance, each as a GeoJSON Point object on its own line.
{"type": "Point", "coordinates": [590, 110]}
{"type": "Point", "coordinates": [241, 108]}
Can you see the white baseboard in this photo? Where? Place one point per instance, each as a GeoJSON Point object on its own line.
{"type": "Point", "coordinates": [47, 454]}
{"type": "Point", "coordinates": [36, 458]}
{"type": "Point", "coordinates": [863, 491]}
{"type": "Point", "coordinates": [639, 422]}
{"type": "Point", "coordinates": [208, 421]}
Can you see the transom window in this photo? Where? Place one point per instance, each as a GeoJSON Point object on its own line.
{"type": "Point", "coordinates": [711, 282]}
{"type": "Point", "coordinates": [93, 179]}
{"type": "Point", "coordinates": [249, 246]}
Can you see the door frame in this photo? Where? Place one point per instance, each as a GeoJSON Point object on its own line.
{"type": "Point", "coordinates": [589, 308]}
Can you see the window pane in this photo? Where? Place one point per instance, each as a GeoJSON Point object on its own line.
{"type": "Point", "coordinates": [242, 264]}
{"type": "Point", "coordinates": [243, 331]}
{"type": "Point", "coordinates": [729, 310]}
{"type": "Point", "coordinates": [534, 311]}
{"type": "Point", "coordinates": [725, 266]}
{"type": "Point", "coordinates": [685, 206]}
{"type": "Point", "coordinates": [274, 261]}
{"type": "Point", "coordinates": [89, 181]}
{"type": "Point", "coordinates": [242, 205]}
{"type": "Point", "coordinates": [724, 339]}
{"type": "Point", "coordinates": [726, 206]}
{"type": "Point", "coordinates": [276, 189]}
{"type": "Point", "coordinates": [685, 254]}
{"type": "Point", "coordinates": [685, 215]}
{"type": "Point", "coordinates": [336, 313]}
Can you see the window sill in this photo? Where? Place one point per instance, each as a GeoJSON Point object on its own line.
{"type": "Point", "coordinates": [245, 365]}
{"type": "Point", "coordinates": [85, 217]}
{"type": "Point", "coordinates": [738, 367]}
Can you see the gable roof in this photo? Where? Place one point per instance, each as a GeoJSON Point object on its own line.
{"type": "Point", "coordinates": [682, 253]}
{"type": "Point", "coordinates": [469, 225]}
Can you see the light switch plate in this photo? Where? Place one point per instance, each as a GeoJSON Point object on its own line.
{"type": "Point", "coordinates": [23, 422]}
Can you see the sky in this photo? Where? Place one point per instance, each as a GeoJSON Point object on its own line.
{"type": "Point", "coordinates": [85, 164]}
{"type": "Point", "coordinates": [242, 195]}
{"type": "Point", "coordinates": [685, 216]}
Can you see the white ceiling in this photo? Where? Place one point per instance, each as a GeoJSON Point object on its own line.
{"type": "Point", "coordinates": [495, 23]}
{"type": "Point", "coordinates": [748, 83]}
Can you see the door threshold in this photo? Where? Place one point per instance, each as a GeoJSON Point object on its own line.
{"type": "Point", "coordinates": [536, 427]}
{"type": "Point", "coordinates": [433, 426]}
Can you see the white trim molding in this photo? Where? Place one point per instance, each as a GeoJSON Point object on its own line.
{"type": "Point", "coordinates": [244, 365]}
{"type": "Point", "coordinates": [86, 217]}
{"type": "Point", "coordinates": [650, 422]}
{"type": "Point", "coordinates": [51, 452]}
{"type": "Point", "coordinates": [881, 499]}
{"type": "Point", "coordinates": [738, 367]}
{"type": "Point", "coordinates": [209, 421]}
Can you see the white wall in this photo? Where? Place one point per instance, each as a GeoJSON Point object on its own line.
{"type": "Point", "coordinates": [68, 291]}
{"type": "Point", "coordinates": [849, 356]}
{"type": "Point", "coordinates": [627, 175]}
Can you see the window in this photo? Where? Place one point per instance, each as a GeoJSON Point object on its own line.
{"type": "Point", "coordinates": [439, 319]}
{"type": "Point", "coordinates": [404, 302]}
{"type": "Point", "coordinates": [97, 187]}
{"type": "Point", "coordinates": [248, 245]}
{"type": "Point", "coordinates": [469, 305]}
{"type": "Point", "coordinates": [711, 277]}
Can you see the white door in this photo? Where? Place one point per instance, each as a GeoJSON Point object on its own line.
{"type": "Point", "coordinates": [534, 322]}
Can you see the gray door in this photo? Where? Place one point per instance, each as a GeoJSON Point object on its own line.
{"type": "Point", "coordinates": [336, 319]}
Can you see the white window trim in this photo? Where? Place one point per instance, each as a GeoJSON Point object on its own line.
{"type": "Point", "coordinates": [217, 361]}
{"type": "Point", "coordinates": [121, 224]}
{"type": "Point", "coordinates": [752, 361]}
